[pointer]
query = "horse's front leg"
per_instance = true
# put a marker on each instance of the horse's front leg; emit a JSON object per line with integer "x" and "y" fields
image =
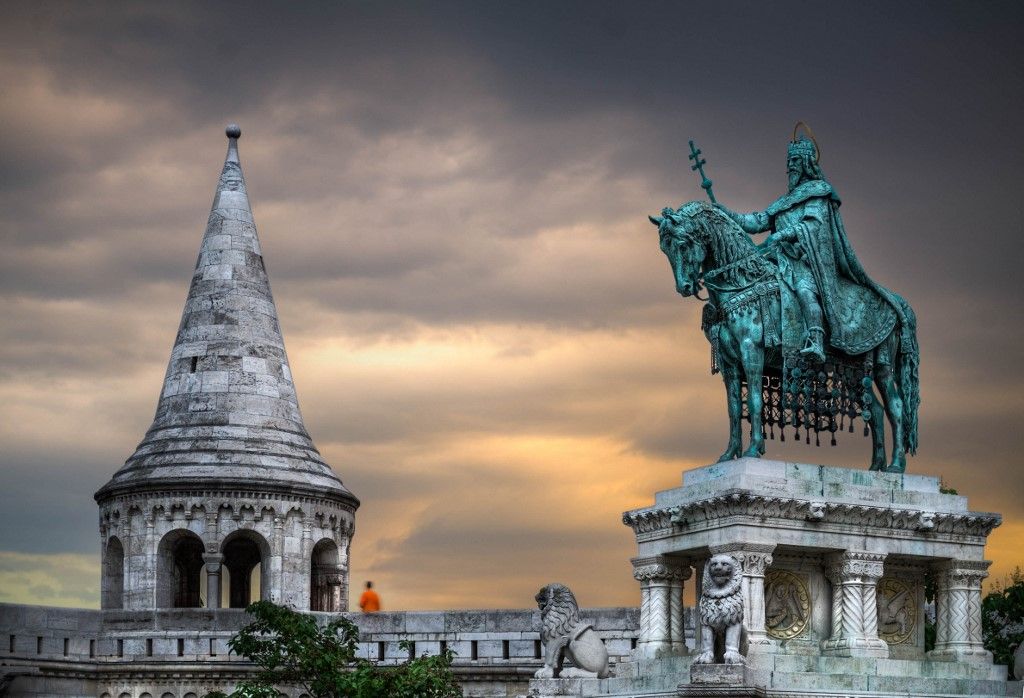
{"x": 753, "y": 366}
{"x": 734, "y": 397}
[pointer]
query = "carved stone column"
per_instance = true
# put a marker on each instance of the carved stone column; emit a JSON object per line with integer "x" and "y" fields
{"x": 277, "y": 574}
{"x": 150, "y": 566}
{"x": 698, "y": 576}
{"x": 661, "y": 605}
{"x": 755, "y": 559}
{"x": 343, "y": 553}
{"x": 677, "y": 633}
{"x": 854, "y": 576}
{"x": 213, "y": 565}
{"x": 958, "y": 611}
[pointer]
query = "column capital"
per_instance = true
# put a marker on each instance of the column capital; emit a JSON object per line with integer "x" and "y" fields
{"x": 754, "y": 558}
{"x": 968, "y": 573}
{"x": 213, "y": 562}
{"x": 661, "y": 568}
{"x": 850, "y": 565}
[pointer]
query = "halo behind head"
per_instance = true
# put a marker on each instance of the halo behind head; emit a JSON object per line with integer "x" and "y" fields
{"x": 795, "y": 144}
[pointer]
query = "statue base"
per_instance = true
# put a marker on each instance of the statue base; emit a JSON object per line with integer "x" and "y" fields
{"x": 834, "y": 563}
{"x": 716, "y": 674}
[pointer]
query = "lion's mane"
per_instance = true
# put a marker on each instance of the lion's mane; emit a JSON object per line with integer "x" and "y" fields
{"x": 559, "y": 612}
{"x": 721, "y": 606}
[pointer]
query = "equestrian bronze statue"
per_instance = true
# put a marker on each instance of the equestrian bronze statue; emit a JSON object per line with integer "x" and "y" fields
{"x": 795, "y": 324}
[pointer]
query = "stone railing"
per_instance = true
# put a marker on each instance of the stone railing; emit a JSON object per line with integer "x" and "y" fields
{"x": 497, "y": 651}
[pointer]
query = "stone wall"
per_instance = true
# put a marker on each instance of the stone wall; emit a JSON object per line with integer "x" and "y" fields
{"x": 125, "y": 654}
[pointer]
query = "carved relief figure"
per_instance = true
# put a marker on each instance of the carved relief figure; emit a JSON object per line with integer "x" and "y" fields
{"x": 721, "y": 612}
{"x": 787, "y": 604}
{"x": 565, "y": 636}
{"x": 897, "y": 611}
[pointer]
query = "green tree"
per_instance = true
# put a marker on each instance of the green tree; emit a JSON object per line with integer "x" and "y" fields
{"x": 1002, "y": 618}
{"x": 291, "y": 648}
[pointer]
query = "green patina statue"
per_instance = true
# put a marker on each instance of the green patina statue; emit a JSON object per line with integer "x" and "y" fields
{"x": 795, "y": 324}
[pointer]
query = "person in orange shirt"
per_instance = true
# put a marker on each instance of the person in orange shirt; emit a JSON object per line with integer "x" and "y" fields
{"x": 369, "y": 601}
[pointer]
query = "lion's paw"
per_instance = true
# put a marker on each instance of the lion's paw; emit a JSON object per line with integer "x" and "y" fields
{"x": 707, "y": 657}
{"x": 544, "y": 672}
{"x": 732, "y": 657}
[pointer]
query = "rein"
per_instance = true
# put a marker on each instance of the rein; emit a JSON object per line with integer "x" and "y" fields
{"x": 753, "y": 263}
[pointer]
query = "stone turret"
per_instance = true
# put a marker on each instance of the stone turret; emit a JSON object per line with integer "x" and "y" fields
{"x": 227, "y": 500}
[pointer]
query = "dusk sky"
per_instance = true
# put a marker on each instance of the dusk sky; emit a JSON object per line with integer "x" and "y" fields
{"x": 452, "y": 202}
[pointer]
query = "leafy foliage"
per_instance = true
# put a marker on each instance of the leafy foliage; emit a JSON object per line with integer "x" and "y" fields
{"x": 1002, "y": 618}
{"x": 291, "y": 648}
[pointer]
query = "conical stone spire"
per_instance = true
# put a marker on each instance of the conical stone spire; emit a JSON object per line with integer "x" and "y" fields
{"x": 228, "y": 415}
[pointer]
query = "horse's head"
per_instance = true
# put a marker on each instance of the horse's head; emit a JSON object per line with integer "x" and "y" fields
{"x": 684, "y": 242}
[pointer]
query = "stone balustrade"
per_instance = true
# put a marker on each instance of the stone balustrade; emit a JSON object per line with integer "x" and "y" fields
{"x": 91, "y": 652}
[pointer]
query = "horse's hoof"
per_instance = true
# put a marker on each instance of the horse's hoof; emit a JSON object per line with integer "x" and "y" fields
{"x": 895, "y": 467}
{"x": 753, "y": 452}
{"x": 731, "y": 453}
{"x": 879, "y": 467}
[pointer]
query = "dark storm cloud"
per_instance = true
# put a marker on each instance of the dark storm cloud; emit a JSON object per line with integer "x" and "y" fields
{"x": 452, "y": 201}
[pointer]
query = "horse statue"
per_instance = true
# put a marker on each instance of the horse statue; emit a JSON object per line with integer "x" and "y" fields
{"x": 745, "y": 320}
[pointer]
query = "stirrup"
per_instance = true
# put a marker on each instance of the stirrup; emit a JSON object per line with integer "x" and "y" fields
{"x": 815, "y": 343}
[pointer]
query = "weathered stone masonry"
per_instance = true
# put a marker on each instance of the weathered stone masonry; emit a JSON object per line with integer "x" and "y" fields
{"x": 227, "y": 500}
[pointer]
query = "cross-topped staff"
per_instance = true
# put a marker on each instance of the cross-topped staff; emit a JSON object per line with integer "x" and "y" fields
{"x": 698, "y": 166}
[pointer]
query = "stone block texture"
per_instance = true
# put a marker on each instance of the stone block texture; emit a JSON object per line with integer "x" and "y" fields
{"x": 226, "y": 500}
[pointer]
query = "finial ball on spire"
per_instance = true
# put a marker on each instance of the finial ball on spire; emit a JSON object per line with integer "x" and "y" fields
{"x": 233, "y": 131}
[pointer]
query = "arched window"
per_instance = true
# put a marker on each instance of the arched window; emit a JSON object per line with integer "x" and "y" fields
{"x": 325, "y": 578}
{"x": 113, "y": 575}
{"x": 245, "y": 555}
{"x": 179, "y": 570}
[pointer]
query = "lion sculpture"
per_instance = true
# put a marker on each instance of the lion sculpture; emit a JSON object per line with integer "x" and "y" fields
{"x": 565, "y": 636}
{"x": 721, "y": 612}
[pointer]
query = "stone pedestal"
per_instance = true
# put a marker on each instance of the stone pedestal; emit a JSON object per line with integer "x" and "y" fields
{"x": 720, "y": 680}
{"x": 834, "y": 562}
{"x": 717, "y": 674}
{"x": 556, "y": 688}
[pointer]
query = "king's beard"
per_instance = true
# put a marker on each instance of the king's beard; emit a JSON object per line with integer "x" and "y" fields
{"x": 794, "y": 179}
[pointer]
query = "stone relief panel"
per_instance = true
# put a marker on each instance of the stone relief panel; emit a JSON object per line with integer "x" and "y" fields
{"x": 897, "y": 611}
{"x": 787, "y": 604}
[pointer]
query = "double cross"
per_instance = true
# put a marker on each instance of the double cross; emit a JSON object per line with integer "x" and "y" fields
{"x": 698, "y": 167}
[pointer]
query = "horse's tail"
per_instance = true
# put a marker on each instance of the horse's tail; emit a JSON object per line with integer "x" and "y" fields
{"x": 907, "y": 363}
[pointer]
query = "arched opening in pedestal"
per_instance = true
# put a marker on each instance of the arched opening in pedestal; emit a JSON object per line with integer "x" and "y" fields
{"x": 113, "y": 575}
{"x": 179, "y": 570}
{"x": 325, "y": 579}
{"x": 245, "y": 565}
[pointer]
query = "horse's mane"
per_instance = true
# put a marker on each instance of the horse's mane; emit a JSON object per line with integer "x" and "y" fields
{"x": 725, "y": 240}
